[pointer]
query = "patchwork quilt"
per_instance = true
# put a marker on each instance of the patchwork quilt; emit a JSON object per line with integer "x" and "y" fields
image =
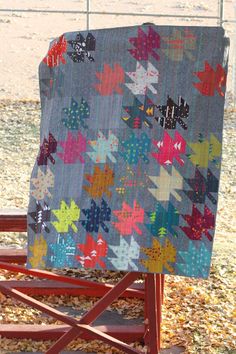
{"x": 127, "y": 172}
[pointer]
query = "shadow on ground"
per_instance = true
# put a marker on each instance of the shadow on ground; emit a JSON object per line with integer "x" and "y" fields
{"x": 108, "y": 318}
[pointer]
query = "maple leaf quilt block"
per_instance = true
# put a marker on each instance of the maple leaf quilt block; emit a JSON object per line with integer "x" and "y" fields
{"x": 100, "y": 182}
{"x": 139, "y": 114}
{"x": 38, "y": 251}
{"x": 135, "y": 148}
{"x": 204, "y": 151}
{"x": 82, "y": 48}
{"x": 159, "y": 257}
{"x": 93, "y": 252}
{"x": 42, "y": 183}
{"x": 111, "y": 80}
{"x": 128, "y": 218}
{"x": 76, "y": 115}
{"x": 211, "y": 80}
{"x": 181, "y": 43}
{"x": 167, "y": 184}
{"x": 128, "y": 169}
{"x": 67, "y": 216}
{"x": 48, "y": 147}
{"x": 52, "y": 85}
{"x": 97, "y": 216}
{"x": 143, "y": 79}
{"x": 169, "y": 149}
{"x": 39, "y": 218}
{"x": 104, "y": 148}
{"x": 130, "y": 180}
{"x": 196, "y": 261}
{"x": 73, "y": 149}
{"x": 202, "y": 187}
{"x": 126, "y": 254}
{"x": 145, "y": 44}
{"x": 63, "y": 251}
{"x": 173, "y": 113}
{"x": 199, "y": 224}
{"x": 56, "y": 54}
{"x": 163, "y": 221}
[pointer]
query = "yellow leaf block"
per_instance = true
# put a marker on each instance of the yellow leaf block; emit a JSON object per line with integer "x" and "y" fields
{"x": 159, "y": 256}
{"x": 38, "y": 250}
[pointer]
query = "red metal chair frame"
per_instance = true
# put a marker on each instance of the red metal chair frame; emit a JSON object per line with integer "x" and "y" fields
{"x": 117, "y": 336}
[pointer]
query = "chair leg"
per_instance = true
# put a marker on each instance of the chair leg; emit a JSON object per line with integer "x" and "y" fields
{"x": 159, "y": 306}
{"x": 153, "y": 314}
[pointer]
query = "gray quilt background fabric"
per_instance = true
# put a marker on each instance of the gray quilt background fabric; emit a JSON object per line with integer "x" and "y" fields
{"x": 128, "y": 168}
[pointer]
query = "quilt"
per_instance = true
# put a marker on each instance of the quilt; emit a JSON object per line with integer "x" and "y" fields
{"x": 128, "y": 166}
